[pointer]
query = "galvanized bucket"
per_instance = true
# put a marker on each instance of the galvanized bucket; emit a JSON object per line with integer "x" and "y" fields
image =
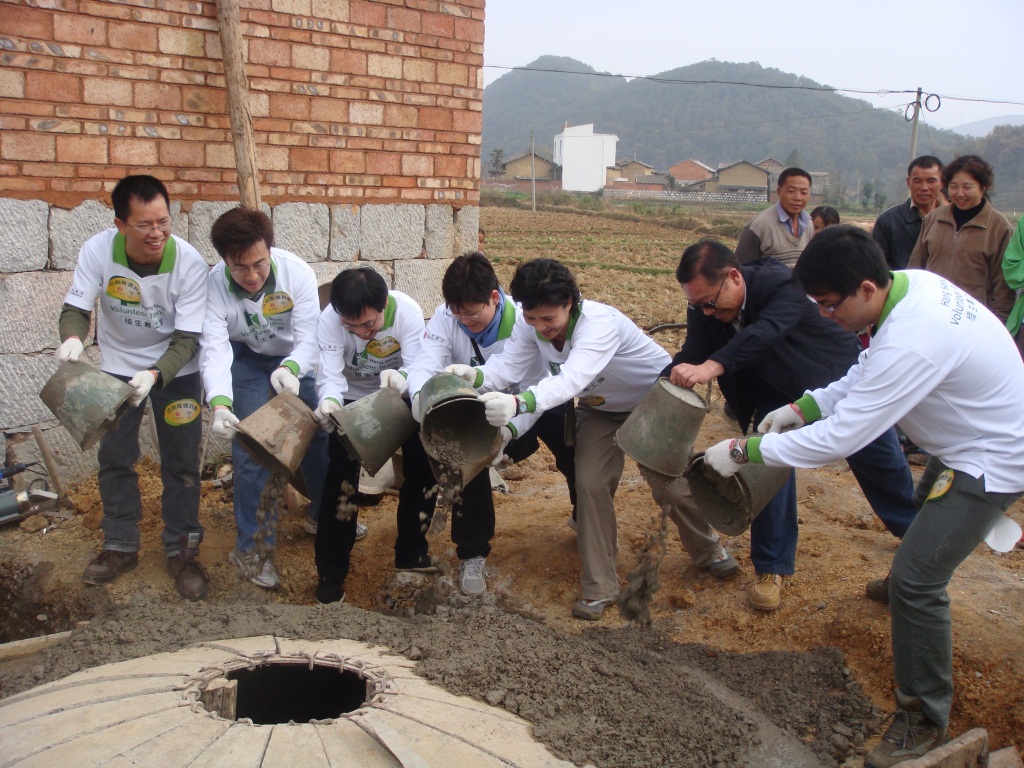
{"x": 85, "y": 400}
{"x": 455, "y": 432}
{"x": 278, "y": 435}
{"x": 660, "y": 431}
{"x": 730, "y": 504}
{"x": 372, "y": 428}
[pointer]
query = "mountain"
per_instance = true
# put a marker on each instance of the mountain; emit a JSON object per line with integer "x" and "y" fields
{"x": 981, "y": 128}
{"x": 715, "y": 112}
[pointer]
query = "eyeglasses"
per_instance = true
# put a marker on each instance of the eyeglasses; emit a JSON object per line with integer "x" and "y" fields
{"x": 464, "y": 316}
{"x": 714, "y": 302}
{"x": 244, "y": 269}
{"x": 831, "y": 308}
{"x": 361, "y": 326}
{"x": 164, "y": 225}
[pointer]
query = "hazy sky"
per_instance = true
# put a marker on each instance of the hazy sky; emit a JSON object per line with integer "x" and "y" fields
{"x": 944, "y": 47}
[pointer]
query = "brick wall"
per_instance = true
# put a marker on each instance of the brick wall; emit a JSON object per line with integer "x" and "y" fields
{"x": 357, "y": 101}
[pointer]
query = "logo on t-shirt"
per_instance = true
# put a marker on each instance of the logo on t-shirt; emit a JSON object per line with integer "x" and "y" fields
{"x": 277, "y": 304}
{"x": 382, "y": 348}
{"x": 181, "y": 412}
{"x": 125, "y": 290}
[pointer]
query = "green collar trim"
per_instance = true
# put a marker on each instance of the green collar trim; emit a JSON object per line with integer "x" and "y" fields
{"x": 508, "y": 319}
{"x": 897, "y": 291}
{"x": 389, "y": 313}
{"x": 170, "y": 254}
{"x": 574, "y": 315}
{"x": 269, "y": 286}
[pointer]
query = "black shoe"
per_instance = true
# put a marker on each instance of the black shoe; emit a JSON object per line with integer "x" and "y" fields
{"x": 189, "y": 576}
{"x": 422, "y": 564}
{"x": 330, "y": 593}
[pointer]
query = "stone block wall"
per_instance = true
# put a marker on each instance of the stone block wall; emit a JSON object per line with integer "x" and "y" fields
{"x": 409, "y": 245}
{"x": 352, "y": 100}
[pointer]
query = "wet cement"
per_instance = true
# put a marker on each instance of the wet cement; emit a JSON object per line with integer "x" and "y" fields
{"x": 611, "y": 697}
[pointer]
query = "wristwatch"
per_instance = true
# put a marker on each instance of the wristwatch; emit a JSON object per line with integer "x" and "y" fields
{"x": 737, "y": 452}
{"x": 521, "y": 405}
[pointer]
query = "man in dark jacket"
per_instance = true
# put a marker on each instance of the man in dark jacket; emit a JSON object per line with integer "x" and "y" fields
{"x": 766, "y": 343}
{"x": 897, "y": 228}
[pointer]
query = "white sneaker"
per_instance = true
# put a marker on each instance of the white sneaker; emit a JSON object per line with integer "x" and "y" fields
{"x": 361, "y": 531}
{"x": 473, "y": 576}
{"x": 309, "y": 525}
{"x": 264, "y": 576}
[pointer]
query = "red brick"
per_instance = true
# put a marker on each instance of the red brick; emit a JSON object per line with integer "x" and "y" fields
{"x": 472, "y": 31}
{"x": 400, "y": 117}
{"x": 16, "y": 145}
{"x": 48, "y": 170}
{"x": 182, "y": 154}
{"x": 105, "y": 9}
{"x": 440, "y": 24}
{"x": 185, "y": 42}
{"x": 290, "y": 107}
{"x": 405, "y": 20}
{"x": 367, "y": 14}
{"x": 21, "y": 184}
{"x": 20, "y": 107}
{"x": 76, "y": 185}
{"x": 133, "y": 152}
{"x": 417, "y": 165}
{"x": 105, "y": 90}
{"x": 467, "y": 121}
{"x": 435, "y": 118}
{"x": 383, "y": 163}
{"x": 453, "y": 74}
{"x": 82, "y": 149}
{"x": 306, "y": 159}
{"x": 157, "y": 96}
{"x": 52, "y": 87}
{"x": 133, "y": 37}
{"x": 269, "y": 52}
{"x": 283, "y": 74}
{"x": 208, "y": 100}
{"x": 28, "y": 22}
{"x": 75, "y": 28}
{"x": 310, "y": 57}
{"x": 450, "y": 166}
{"x": 347, "y": 161}
{"x": 272, "y": 158}
{"x": 330, "y": 110}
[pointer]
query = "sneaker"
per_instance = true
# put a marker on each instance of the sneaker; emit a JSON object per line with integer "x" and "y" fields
{"x": 330, "y": 593}
{"x": 766, "y": 594}
{"x": 361, "y": 531}
{"x": 422, "y": 564}
{"x": 571, "y": 522}
{"x": 473, "y": 576}
{"x": 190, "y": 577}
{"x": 878, "y": 590}
{"x": 108, "y": 565}
{"x": 309, "y": 525}
{"x": 910, "y": 735}
{"x": 723, "y": 566}
{"x": 262, "y": 575}
{"x": 591, "y": 610}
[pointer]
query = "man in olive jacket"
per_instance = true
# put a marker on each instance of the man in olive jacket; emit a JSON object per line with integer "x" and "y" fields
{"x": 767, "y": 344}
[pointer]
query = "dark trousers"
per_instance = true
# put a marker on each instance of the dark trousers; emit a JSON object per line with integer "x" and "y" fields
{"x": 549, "y": 429}
{"x": 179, "y": 427}
{"x": 884, "y": 476}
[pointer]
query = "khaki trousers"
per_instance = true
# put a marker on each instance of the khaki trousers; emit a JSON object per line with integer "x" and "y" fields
{"x": 599, "y": 464}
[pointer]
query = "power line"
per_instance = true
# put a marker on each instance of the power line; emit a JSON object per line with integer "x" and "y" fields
{"x": 818, "y": 88}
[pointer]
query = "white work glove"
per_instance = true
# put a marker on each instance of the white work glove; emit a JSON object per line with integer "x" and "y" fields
{"x": 499, "y": 408}
{"x": 225, "y": 423}
{"x": 782, "y": 420}
{"x": 283, "y": 380}
{"x": 416, "y": 415}
{"x": 468, "y": 372}
{"x": 395, "y": 380}
{"x": 506, "y": 438}
{"x": 71, "y": 349}
{"x": 143, "y": 381}
{"x": 323, "y": 413}
{"x": 717, "y": 457}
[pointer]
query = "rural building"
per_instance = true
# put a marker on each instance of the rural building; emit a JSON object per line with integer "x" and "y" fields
{"x": 743, "y": 177}
{"x": 627, "y": 170}
{"x": 366, "y": 118}
{"x": 526, "y": 165}
{"x": 689, "y": 171}
{"x": 771, "y": 165}
{"x": 584, "y": 157}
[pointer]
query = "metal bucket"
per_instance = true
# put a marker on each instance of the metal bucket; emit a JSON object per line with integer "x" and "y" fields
{"x": 455, "y": 432}
{"x": 278, "y": 434}
{"x": 85, "y": 400}
{"x": 372, "y": 428}
{"x": 660, "y": 431}
{"x": 730, "y": 504}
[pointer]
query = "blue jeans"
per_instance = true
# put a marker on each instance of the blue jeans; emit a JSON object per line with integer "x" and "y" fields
{"x": 884, "y": 476}
{"x": 179, "y": 469}
{"x": 250, "y": 379}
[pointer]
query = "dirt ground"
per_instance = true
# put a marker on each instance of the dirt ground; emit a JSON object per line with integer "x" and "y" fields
{"x": 611, "y": 693}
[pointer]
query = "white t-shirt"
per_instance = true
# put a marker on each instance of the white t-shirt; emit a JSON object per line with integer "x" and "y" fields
{"x": 139, "y": 314}
{"x": 445, "y": 342}
{"x": 350, "y": 367}
{"x": 281, "y": 323}
{"x": 607, "y": 361}
{"x": 943, "y": 367}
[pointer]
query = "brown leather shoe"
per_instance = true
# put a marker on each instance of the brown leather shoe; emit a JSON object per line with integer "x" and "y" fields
{"x": 766, "y": 594}
{"x": 190, "y": 577}
{"x": 108, "y": 565}
{"x": 878, "y": 590}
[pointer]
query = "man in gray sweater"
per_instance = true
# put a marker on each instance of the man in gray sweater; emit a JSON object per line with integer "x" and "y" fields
{"x": 784, "y": 230}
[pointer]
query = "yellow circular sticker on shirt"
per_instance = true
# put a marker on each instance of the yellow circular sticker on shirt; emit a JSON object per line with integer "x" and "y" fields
{"x": 181, "y": 412}
{"x": 941, "y": 485}
{"x": 593, "y": 401}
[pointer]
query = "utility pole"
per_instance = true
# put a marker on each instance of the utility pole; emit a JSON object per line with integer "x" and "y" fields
{"x": 913, "y": 132}
{"x": 533, "y": 173}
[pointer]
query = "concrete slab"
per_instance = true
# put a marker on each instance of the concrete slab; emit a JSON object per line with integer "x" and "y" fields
{"x": 70, "y": 229}
{"x": 417, "y": 744}
{"x": 345, "y": 233}
{"x": 241, "y": 746}
{"x": 439, "y": 237}
{"x": 1008, "y": 757}
{"x": 178, "y": 746}
{"x": 391, "y": 232}
{"x": 421, "y": 279}
{"x": 292, "y": 745}
{"x": 304, "y": 229}
{"x": 965, "y": 751}
{"x": 24, "y": 239}
{"x": 345, "y": 743}
{"x": 40, "y": 703}
{"x": 31, "y": 302}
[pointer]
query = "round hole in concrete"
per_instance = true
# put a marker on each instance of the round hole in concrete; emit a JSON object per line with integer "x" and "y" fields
{"x": 280, "y": 693}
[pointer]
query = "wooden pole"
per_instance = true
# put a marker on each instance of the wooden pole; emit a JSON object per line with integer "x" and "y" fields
{"x": 49, "y": 462}
{"x": 231, "y": 44}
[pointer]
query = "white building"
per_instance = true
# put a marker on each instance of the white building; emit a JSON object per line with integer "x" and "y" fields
{"x": 584, "y": 156}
